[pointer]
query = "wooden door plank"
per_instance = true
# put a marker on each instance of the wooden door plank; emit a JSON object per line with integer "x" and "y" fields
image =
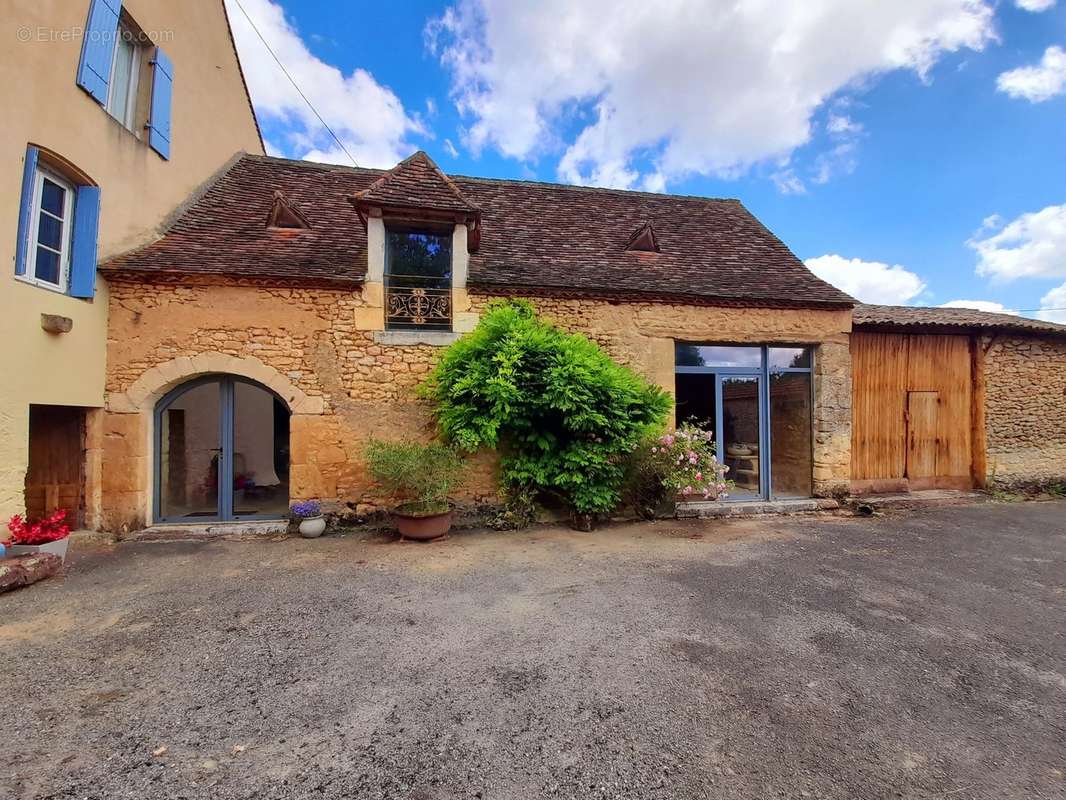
{"x": 922, "y": 424}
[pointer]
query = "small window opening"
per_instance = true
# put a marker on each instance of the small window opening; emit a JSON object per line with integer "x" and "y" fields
{"x": 644, "y": 240}
{"x": 284, "y": 215}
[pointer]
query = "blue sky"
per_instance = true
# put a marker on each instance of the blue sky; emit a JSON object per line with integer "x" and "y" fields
{"x": 912, "y": 151}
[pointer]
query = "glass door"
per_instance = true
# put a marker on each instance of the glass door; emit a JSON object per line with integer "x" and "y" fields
{"x": 222, "y": 453}
{"x": 189, "y": 447}
{"x": 740, "y": 435}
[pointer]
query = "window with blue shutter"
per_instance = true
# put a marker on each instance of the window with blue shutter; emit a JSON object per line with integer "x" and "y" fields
{"x": 159, "y": 118}
{"x": 98, "y": 47}
{"x": 83, "y": 247}
{"x": 59, "y": 220}
{"x": 29, "y": 182}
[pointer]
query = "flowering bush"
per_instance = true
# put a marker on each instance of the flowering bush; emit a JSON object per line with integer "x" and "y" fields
{"x": 307, "y": 508}
{"x": 562, "y": 415}
{"x": 50, "y": 529}
{"x": 688, "y": 463}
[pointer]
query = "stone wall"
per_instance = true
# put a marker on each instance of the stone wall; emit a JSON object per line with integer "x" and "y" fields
{"x": 344, "y": 385}
{"x": 1025, "y": 410}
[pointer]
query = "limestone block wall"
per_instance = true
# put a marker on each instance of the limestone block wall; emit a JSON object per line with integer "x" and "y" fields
{"x": 1025, "y": 410}
{"x": 343, "y": 386}
{"x": 642, "y": 335}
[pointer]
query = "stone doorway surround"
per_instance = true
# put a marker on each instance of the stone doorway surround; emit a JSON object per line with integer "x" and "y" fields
{"x": 126, "y": 436}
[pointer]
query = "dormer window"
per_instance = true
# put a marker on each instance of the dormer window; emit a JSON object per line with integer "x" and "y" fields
{"x": 643, "y": 240}
{"x": 418, "y": 278}
{"x": 285, "y": 216}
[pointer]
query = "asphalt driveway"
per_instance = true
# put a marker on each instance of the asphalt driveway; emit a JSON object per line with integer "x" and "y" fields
{"x": 908, "y": 656}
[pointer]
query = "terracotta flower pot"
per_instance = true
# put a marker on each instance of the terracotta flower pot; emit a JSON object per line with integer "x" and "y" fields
{"x": 421, "y": 526}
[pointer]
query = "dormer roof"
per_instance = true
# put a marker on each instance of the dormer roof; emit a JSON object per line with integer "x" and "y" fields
{"x": 415, "y": 183}
{"x": 285, "y": 215}
{"x": 643, "y": 240}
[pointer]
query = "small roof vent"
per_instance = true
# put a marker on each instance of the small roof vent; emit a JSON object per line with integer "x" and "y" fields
{"x": 285, "y": 216}
{"x": 644, "y": 240}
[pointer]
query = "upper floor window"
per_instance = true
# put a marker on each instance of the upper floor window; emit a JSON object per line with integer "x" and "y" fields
{"x": 58, "y": 219}
{"x": 112, "y": 60}
{"x": 125, "y": 73}
{"x": 418, "y": 279}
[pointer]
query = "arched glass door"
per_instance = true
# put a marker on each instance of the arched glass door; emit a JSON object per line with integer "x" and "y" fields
{"x": 221, "y": 452}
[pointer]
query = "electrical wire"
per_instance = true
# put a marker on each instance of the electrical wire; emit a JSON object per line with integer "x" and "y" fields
{"x": 294, "y": 85}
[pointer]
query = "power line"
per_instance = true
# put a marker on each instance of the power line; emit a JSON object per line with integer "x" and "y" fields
{"x": 293, "y": 82}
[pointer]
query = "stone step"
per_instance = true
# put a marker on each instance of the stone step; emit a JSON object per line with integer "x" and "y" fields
{"x": 710, "y": 508}
{"x": 208, "y": 530}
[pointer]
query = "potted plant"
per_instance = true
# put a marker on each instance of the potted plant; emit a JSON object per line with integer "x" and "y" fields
{"x": 679, "y": 464}
{"x": 309, "y": 513}
{"x": 420, "y": 476}
{"x": 49, "y": 535}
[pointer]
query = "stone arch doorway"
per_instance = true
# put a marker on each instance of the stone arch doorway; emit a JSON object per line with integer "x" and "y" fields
{"x": 221, "y": 452}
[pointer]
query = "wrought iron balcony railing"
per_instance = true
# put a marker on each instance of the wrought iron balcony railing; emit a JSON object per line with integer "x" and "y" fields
{"x": 416, "y": 302}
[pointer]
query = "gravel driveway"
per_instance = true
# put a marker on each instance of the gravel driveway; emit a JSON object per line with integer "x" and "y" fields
{"x": 919, "y": 655}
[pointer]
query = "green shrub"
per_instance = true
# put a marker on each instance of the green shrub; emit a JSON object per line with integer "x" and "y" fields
{"x": 562, "y": 413}
{"x": 421, "y": 476}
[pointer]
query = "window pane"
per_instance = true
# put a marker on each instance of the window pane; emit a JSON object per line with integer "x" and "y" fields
{"x": 120, "y": 87}
{"x": 427, "y": 255}
{"x": 790, "y": 434}
{"x": 692, "y": 355}
{"x": 695, "y": 399}
{"x": 46, "y": 267}
{"x": 189, "y": 455}
{"x": 52, "y": 197}
{"x": 260, "y": 453}
{"x": 785, "y": 357}
{"x": 740, "y": 433}
{"x": 50, "y": 232}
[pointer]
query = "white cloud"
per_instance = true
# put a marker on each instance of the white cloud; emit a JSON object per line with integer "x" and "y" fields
{"x": 1031, "y": 246}
{"x": 1037, "y": 83}
{"x": 367, "y": 117}
{"x": 450, "y": 149}
{"x": 1036, "y": 6}
{"x": 788, "y": 182}
{"x": 980, "y": 305}
{"x": 624, "y": 88}
{"x": 1053, "y": 305}
{"x": 868, "y": 281}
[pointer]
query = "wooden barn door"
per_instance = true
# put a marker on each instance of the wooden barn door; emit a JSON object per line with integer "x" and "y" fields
{"x": 912, "y": 412}
{"x": 923, "y": 416}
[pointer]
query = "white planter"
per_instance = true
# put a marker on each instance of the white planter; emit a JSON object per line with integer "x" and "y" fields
{"x": 58, "y": 548}
{"x": 312, "y": 527}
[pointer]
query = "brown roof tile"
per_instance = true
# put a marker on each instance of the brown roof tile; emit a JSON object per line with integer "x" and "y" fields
{"x": 948, "y": 320}
{"x": 534, "y": 235}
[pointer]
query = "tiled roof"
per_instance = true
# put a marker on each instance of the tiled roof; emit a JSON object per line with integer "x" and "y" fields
{"x": 533, "y": 235}
{"x": 948, "y": 320}
{"x": 415, "y": 182}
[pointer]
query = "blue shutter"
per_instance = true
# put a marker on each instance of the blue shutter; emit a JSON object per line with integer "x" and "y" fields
{"x": 159, "y": 119}
{"x": 98, "y": 48}
{"x": 29, "y": 178}
{"x": 83, "y": 249}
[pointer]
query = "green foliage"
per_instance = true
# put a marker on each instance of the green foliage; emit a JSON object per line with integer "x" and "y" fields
{"x": 420, "y": 475}
{"x": 562, "y": 413}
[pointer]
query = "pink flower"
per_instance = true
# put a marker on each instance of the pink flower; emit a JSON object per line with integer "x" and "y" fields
{"x": 699, "y": 476}
{"x": 655, "y": 449}
{"x": 687, "y": 490}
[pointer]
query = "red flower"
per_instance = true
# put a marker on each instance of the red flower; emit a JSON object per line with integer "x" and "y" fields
{"x": 43, "y": 531}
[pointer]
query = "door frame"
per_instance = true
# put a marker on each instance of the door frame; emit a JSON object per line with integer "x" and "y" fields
{"x": 226, "y": 430}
